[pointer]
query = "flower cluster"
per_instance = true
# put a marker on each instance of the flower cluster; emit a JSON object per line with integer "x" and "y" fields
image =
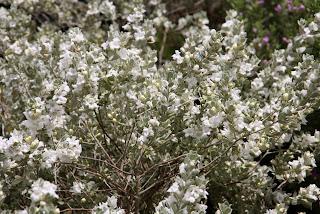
{"x": 187, "y": 190}
{"x": 40, "y": 189}
{"x": 109, "y": 207}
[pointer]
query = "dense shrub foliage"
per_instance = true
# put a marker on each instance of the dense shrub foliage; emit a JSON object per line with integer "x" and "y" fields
{"x": 95, "y": 119}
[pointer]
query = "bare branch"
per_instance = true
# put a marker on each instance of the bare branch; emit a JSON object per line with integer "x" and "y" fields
{"x": 164, "y": 39}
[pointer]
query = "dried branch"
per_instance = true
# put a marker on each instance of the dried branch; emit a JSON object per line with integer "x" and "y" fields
{"x": 164, "y": 39}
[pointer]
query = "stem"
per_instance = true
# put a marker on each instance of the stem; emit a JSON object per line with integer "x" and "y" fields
{"x": 164, "y": 39}
{"x": 138, "y": 197}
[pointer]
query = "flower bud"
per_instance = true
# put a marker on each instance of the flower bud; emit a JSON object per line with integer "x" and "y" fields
{"x": 213, "y": 109}
{"x": 37, "y": 113}
{"x": 14, "y": 165}
{"x": 282, "y": 210}
{"x": 34, "y": 144}
{"x": 28, "y": 139}
{"x": 213, "y": 86}
{"x": 143, "y": 98}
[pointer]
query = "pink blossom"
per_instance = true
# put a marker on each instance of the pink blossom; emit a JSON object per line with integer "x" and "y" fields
{"x": 289, "y": 1}
{"x": 265, "y": 39}
{"x": 260, "y": 2}
{"x": 302, "y": 7}
{"x": 285, "y": 40}
{"x": 278, "y": 8}
{"x": 255, "y": 29}
{"x": 289, "y": 7}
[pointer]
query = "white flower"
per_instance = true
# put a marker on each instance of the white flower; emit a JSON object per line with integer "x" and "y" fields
{"x": 177, "y": 57}
{"x": 49, "y": 157}
{"x": 21, "y": 212}
{"x": 193, "y": 193}
{"x": 189, "y": 132}
{"x": 192, "y": 81}
{"x": 213, "y": 122}
{"x": 91, "y": 103}
{"x": 239, "y": 124}
{"x": 69, "y": 149}
{"x": 76, "y": 35}
{"x": 77, "y": 187}
{"x": 60, "y": 93}
{"x": 301, "y": 49}
{"x": 123, "y": 53}
{"x": 280, "y": 197}
{"x": 115, "y": 44}
{"x": 317, "y": 16}
{"x": 154, "y": 122}
{"x": 108, "y": 207}
{"x": 16, "y": 48}
{"x": 272, "y": 211}
{"x": 174, "y": 188}
{"x": 41, "y": 188}
{"x": 256, "y": 151}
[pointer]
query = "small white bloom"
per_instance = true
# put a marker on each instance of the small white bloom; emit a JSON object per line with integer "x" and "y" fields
{"x": 76, "y": 35}
{"x": 115, "y": 44}
{"x": 77, "y": 187}
{"x": 154, "y": 122}
{"x": 41, "y": 188}
{"x": 177, "y": 57}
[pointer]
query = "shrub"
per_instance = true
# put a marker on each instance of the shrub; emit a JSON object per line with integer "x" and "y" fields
{"x": 92, "y": 122}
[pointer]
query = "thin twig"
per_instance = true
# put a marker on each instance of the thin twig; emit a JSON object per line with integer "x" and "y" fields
{"x": 104, "y": 161}
{"x": 183, "y": 8}
{"x": 165, "y": 177}
{"x": 164, "y": 39}
{"x": 280, "y": 185}
{"x": 102, "y": 127}
{"x": 76, "y": 209}
{"x": 97, "y": 173}
{"x": 105, "y": 152}
{"x": 69, "y": 193}
{"x": 83, "y": 190}
{"x": 162, "y": 163}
